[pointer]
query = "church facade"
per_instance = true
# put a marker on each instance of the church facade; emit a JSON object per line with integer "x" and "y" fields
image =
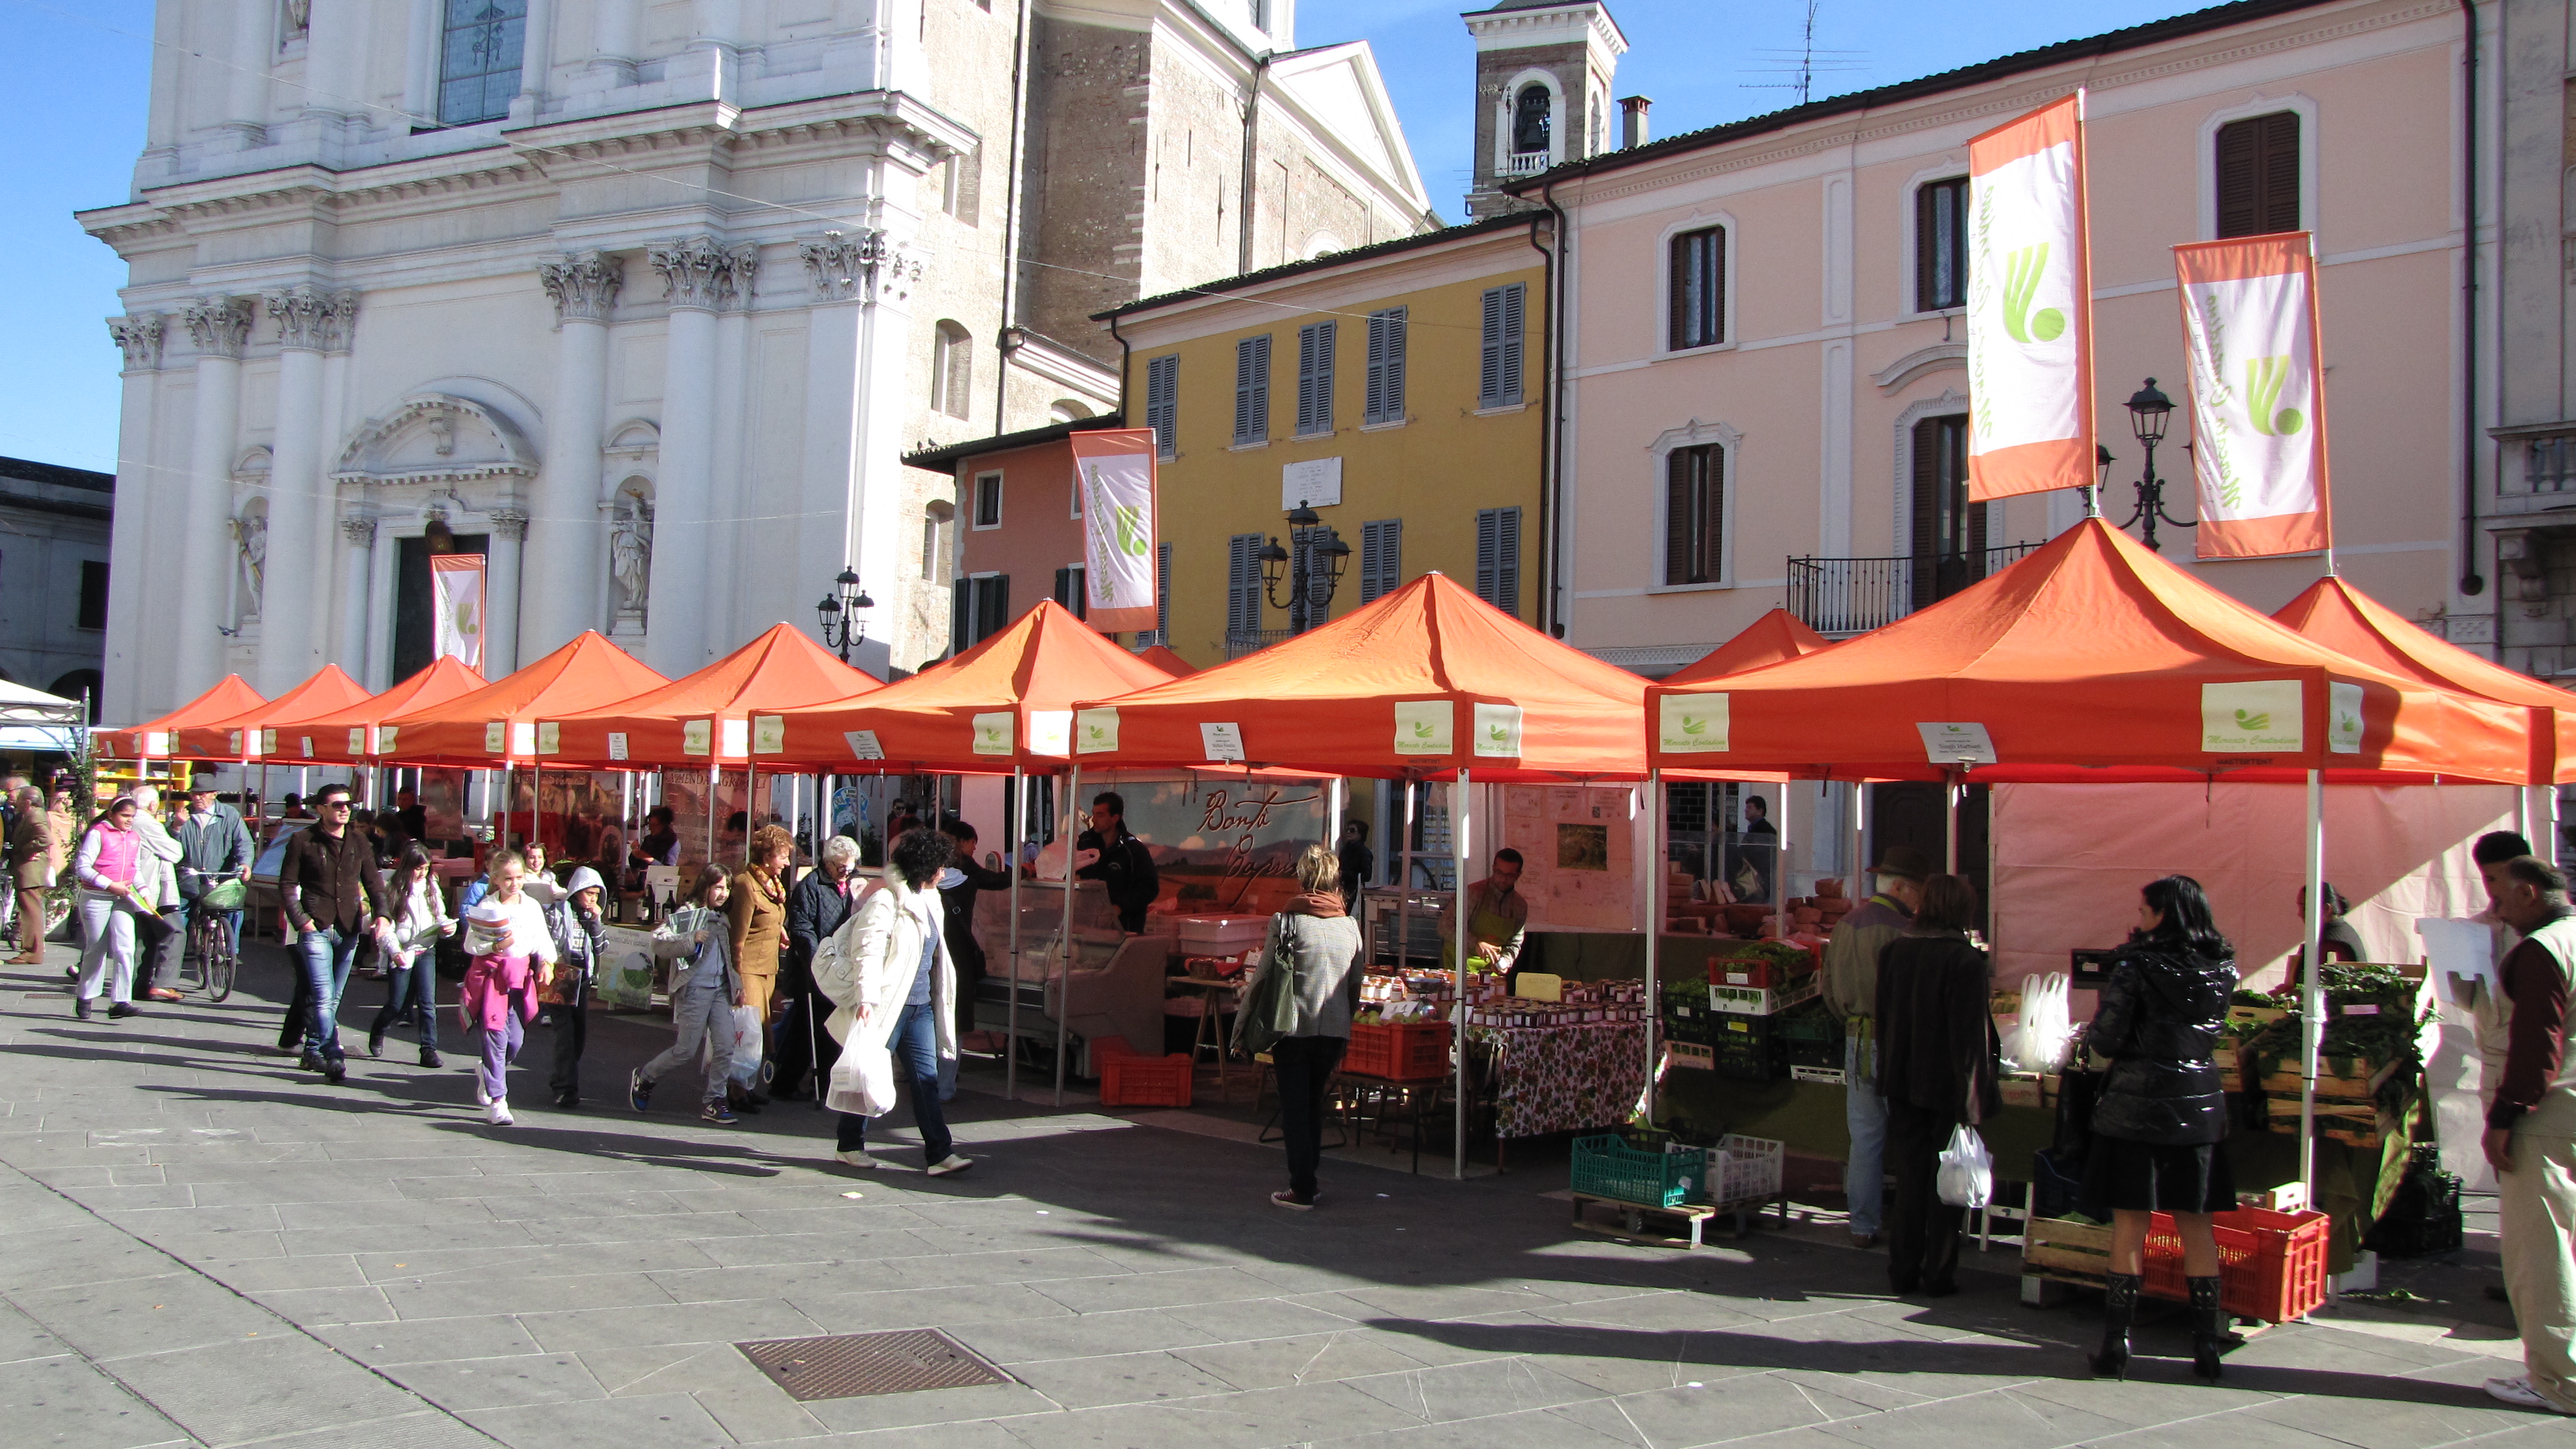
{"x": 644, "y": 303}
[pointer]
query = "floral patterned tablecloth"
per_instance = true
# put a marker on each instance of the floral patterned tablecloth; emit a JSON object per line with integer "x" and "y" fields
{"x": 1564, "y": 1078}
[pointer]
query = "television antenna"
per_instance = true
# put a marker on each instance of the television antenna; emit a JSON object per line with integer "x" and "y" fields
{"x": 1801, "y": 66}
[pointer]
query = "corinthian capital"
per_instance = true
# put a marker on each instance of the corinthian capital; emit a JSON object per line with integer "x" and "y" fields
{"x": 219, "y": 325}
{"x": 339, "y": 320}
{"x": 584, "y": 285}
{"x": 360, "y": 532}
{"x": 898, "y": 270}
{"x": 302, "y": 316}
{"x": 139, "y": 334}
{"x": 510, "y": 523}
{"x": 837, "y": 263}
{"x": 742, "y": 265}
{"x": 695, "y": 272}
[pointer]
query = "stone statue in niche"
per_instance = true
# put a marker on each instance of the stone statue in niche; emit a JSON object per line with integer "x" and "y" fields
{"x": 251, "y": 532}
{"x": 630, "y": 555}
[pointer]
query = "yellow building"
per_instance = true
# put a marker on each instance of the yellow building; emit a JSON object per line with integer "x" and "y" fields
{"x": 1394, "y": 390}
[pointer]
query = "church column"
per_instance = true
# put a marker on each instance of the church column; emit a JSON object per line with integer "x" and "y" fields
{"x": 565, "y": 530}
{"x": 384, "y": 559}
{"x": 835, "y": 269}
{"x": 339, "y": 331}
{"x": 537, "y": 61}
{"x": 297, "y": 504}
{"x": 886, "y": 399}
{"x": 730, "y": 499}
{"x": 357, "y": 542}
{"x": 220, "y": 326}
{"x": 855, "y": 406}
{"x": 140, "y": 336}
{"x": 612, "y": 41}
{"x": 254, "y": 50}
{"x": 501, "y": 592}
{"x": 692, "y": 270}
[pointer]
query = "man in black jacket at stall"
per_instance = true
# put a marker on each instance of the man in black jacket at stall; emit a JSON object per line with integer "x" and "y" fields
{"x": 957, "y": 925}
{"x": 816, "y": 907}
{"x": 1119, "y": 859}
{"x": 333, "y": 892}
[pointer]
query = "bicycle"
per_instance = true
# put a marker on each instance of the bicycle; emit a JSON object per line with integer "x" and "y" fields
{"x": 210, "y": 938}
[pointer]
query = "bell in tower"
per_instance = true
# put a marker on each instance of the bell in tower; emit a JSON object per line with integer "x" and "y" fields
{"x": 1543, "y": 77}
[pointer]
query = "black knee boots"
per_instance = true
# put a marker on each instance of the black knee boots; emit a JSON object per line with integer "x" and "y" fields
{"x": 2119, "y": 1310}
{"x": 2209, "y": 1332}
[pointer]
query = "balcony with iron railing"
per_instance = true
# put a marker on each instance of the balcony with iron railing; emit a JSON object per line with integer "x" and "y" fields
{"x": 1526, "y": 163}
{"x": 1239, "y": 642}
{"x": 1839, "y": 597}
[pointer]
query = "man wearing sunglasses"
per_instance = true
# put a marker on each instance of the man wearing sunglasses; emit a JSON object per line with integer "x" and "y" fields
{"x": 334, "y": 895}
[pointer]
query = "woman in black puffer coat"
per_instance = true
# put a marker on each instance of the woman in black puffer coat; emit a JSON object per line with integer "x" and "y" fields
{"x": 2162, "y": 1110}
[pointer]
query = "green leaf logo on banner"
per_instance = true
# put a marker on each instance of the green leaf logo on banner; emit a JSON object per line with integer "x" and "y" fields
{"x": 1498, "y": 734}
{"x": 2264, "y": 379}
{"x": 1694, "y": 724}
{"x": 1131, "y": 530}
{"x": 2022, "y": 271}
{"x": 2256, "y": 720}
{"x": 1422, "y": 729}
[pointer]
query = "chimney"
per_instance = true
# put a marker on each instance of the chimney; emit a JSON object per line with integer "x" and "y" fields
{"x": 1632, "y": 121}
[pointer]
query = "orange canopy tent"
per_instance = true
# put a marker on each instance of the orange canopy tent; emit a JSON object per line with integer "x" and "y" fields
{"x": 1424, "y": 683}
{"x": 1775, "y": 636}
{"x": 1004, "y": 705}
{"x": 1162, "y": 657}
{"x": 2348, "y": 621}
{"x": 154, "y": 738}
{"x": 348, "y": 735}
{"x": 252, "y": 734}
{"x": 497, "y": 724}
{"x": 2092, "y": 659}
{"x": 717, "y": 713}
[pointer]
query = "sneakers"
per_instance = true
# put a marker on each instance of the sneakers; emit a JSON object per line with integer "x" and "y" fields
{"x": 1291, "y": 1201}
{"x": 952, "y": 1163}
{"x": 2519, "y": 1393}
{"x": 429, "y": 1058}
{"x": 718, "y": 1113}
{"x": 481, "y": 1098}
{"x": 497, "y": 1112}
{"x": 311, "y": 1061}
{"x": 639, "y": 1092}
{"x": 852, "y": 1158}
{"x": 336, "y": 1073}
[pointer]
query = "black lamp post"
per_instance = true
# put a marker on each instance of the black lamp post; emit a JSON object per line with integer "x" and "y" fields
{"x": 2148, "y": 409}
{"x": 1316, "y": 571}
{"x": 839, "y": 612}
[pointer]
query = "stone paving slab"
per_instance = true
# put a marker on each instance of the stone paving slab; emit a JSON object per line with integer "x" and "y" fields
{"x": 200, "y": 1245}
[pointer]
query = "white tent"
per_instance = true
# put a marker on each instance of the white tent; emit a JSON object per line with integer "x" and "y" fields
{"x": 31, "y": 719}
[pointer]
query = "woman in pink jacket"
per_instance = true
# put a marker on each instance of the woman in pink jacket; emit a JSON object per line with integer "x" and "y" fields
{"x": 512, "y": 955}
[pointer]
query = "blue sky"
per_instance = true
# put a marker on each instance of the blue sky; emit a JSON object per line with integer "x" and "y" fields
{"x": 80, "y": 119}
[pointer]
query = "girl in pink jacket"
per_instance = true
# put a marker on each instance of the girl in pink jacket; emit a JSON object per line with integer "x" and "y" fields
{"x": 511, "y": 954}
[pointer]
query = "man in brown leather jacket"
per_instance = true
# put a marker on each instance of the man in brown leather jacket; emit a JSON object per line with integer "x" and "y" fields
{"x": 30, "y": 863}
{"x": 334, "y": 893}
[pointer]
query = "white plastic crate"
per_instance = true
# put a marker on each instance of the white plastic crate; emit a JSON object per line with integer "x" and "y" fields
{"x": 1761, "y": 1001}
{"x": 1744, "y": 1169}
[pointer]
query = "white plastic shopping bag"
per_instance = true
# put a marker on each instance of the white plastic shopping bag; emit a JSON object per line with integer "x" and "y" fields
{"x": 863, "y": 1079}
{"x": 2042, "y": 1034}
{"x": 1967, "y": 1170}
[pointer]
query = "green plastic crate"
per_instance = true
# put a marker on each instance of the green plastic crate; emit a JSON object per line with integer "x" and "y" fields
{"x": 1606, "y": 1166}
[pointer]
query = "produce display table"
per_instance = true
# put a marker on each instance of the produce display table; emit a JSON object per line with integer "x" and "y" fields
{"x": 1573, "y": 1078}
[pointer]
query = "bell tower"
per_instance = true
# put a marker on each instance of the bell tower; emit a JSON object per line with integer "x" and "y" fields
{"x": 1543, "y": 77}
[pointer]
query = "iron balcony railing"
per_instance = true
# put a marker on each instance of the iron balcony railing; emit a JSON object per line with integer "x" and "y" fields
{"x": 1845, "y": 596}
{"x": 1239, "y": 642}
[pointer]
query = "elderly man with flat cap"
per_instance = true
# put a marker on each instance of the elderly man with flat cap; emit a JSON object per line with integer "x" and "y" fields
{"x": 1851, "y": 990}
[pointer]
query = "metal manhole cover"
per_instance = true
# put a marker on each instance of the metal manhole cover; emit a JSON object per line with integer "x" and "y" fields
{"x": 848, "y": 1365}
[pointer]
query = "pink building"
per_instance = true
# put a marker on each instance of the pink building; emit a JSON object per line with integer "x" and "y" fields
{"x": 1761, "y": 358}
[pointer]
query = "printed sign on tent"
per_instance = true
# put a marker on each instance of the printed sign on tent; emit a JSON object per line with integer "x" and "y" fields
{"x": 2343, "y": 719}
{"x": 1957, "y": 742}
{"x": 863, "y": 745}
{"x": 769, "y": 734}
{"x": 697, "y": 736}
{"x": 1115, "y": 471}
{"x": 2030, "y": 307}
{"x": 1223, "y": 742}
{"x": 1096, "y": 731}
{"x": 1691, "y": 723}
{"x": 994, "y": 732}
{"x": 2255, "y": 717}
{"x": 1498, "y": 731}
{"x": 456, "y": 597}
{"x": 1425, "y": 726}
{"x": 617, "y": 744}
{"x": 2249, "y": 323}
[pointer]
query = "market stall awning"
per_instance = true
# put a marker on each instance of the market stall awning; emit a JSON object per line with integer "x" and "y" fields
{"x": 153, "y": 738}
{"x": 347, "y": 735}
{"x": 498, "y": 722}
{"x": 1006, "y": 703}
{"x": 1424, "y": 682}
{"x": 2348, "y": 621}
{"x": 31, "y": 719}
{"x": 1775, "y": 636}
{"x": 2090, "y": 659}
{"x": 719, "y": 713}
{"x": 252, "y": 734}
{"x": 1162, "y": 657}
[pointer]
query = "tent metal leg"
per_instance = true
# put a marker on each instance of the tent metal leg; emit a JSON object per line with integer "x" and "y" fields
{"x": 1064, "y": 993}
{"x": 1011, "y": 1009}
{"x": 2312, "y": 999}
{"x": 1655, "y": 874}
{"x": 1458, "y": 1027}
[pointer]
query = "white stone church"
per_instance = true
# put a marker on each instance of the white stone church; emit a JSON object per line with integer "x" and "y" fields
{"x": 645, "y": 299}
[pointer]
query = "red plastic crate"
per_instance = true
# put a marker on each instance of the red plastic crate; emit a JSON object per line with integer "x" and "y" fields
{"x": 1399, "y": 1051}
{"x": 2271, "y": 1266}
{"x": 1128, "y": 1080}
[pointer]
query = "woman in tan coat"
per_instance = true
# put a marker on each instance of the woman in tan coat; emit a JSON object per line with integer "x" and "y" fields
{"x": 757, "y": 911}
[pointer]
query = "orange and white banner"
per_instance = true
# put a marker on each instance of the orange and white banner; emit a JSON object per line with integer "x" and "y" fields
{"x": 456, "y": 599}
{"x": 1114, "y": 473}
{"x": 2258, "y": 406}
{"x": 2030, "y": 307}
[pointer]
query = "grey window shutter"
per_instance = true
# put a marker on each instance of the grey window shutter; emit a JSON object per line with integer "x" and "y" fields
{"x": 1315, "y": 379}
{"x": 1162, "y": 398}
{"x": 1252, "y": 389}
{"x": 1515, "y": 308}
{"x": 1386, "y": 366}
{"x": 1678, "y": 515}
{"x": 961, "y": 610}
{"x": 1162, "y": 593}
{"x": 1498, "y": 558}
{"x": 1499, "y": 382}
{"x": 1243, "y": 583}
{"x": 1488, "y": 556}
{"x": 1381, "y": 558}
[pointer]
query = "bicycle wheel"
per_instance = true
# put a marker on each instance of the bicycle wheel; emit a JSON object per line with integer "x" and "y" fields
{"x": 219, "y": 961}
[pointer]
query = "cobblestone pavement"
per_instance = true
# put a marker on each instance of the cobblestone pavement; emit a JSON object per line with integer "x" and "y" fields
{"x": 201, "y": 1245}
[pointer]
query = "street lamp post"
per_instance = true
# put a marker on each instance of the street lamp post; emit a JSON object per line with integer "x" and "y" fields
{"x": 1310, "y": 588}
{"x": 2148, "y": 409}
{"x": 841, "y": 625}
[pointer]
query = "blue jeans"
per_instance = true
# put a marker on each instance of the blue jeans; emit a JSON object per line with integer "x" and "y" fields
{"x": 915, "y": 1047}
{"x": 1865, "y": 1113}
{"x": 411, "y": 995}
{"x": 326, "y": 956}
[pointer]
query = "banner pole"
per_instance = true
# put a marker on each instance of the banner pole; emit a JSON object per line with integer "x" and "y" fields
{"x": 1654, "y": 928}
{"x": 1011, "y": 827}
{"x": 1458, "y": 1016}
{"x": 1064, "y": 991}
{"x": 2312, "y": 998}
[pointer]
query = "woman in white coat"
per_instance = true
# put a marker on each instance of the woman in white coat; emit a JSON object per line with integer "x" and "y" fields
{"x": 888, "y": 973}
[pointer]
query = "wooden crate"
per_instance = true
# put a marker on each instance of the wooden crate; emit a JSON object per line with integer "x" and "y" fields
{"x": 2028, "y": 1090}
{"x": 2070, "y": 1252}
{"x": 2290, "y": 1084}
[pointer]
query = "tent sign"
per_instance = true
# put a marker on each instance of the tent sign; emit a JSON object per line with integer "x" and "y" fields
{"x": 1223, "y": 742}
{"x": 2255, "y": 717}
{"x": 308, "y": 745}
{"x": 864, "y": 746}
{"x": 617, "y": 744}
{"x": 769, "y": 734}
{"x": 549, "y": 738}
{"x": 494, "y": 732}
{"x": 993, "y": 732}
{"x": 2343, "y": 718}
{"x": 1425, "y": 726}
{"x": 1051, "y": 732}
{"x": 268, "y": 742}
{"x": 1096, "y": 731}
{"x": 697, "y": 736}
{"x": 1498, "y": 731}
{"x": 1691, "y": 724}
{"x": 384, "y": 740}
{"x": 233, "y": 742}
{"x": 1955, "y": 742}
